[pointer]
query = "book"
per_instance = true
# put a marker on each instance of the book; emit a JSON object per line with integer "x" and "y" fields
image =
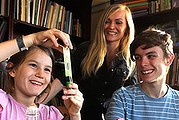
{"x": 22, "y": 9}
{"x": 59, "y": 20}
{"x": 34, "y": 11}
{"x": 137, "y": 4}
{"x": 47, "y": 10}
{"x": 139, "y": 8}
{"x": 42, "y": 11}
{"x": 38, "y": 12}
{"x": 54, "y": 15}
{"x": 174, "y": 3}
{"x": 67, "y": 17}
{"x": 70, "y": 24}
{"x": 27, "y": 10}
{"x": 50, "y": 16}
{"x": 134, "y": 2}
{"x": 62, "y": 25}
{"x": 3, "y": 28}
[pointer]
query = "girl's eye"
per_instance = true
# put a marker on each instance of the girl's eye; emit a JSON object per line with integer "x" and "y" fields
{"x": 33, "y": 65}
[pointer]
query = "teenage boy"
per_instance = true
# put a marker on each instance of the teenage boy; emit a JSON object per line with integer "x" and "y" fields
{"x": 152, "y": 98}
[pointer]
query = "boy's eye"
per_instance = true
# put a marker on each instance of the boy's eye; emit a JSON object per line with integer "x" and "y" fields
{"x": 48, "y": 69}
{"x": 151, "y": 56}
{"x": 136, "y": 57}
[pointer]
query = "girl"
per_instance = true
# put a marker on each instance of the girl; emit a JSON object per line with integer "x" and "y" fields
{"x": 29, "y": 74}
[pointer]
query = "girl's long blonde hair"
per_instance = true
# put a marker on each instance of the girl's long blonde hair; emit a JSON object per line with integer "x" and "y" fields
{"x": 98, "y": 47}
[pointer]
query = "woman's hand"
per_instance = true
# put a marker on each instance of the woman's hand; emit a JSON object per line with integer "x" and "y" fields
{"x": 48, "y": 38}
{"x": 73, "y": 100}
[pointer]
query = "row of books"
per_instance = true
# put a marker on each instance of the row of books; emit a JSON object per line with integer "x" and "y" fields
{"x": 137, "y": 7}
{"x": 3, "y": 28}
{"x": 2, "y": 73}
{"x": 45, "y": 13}
{"x": 172, "y": 28}
{"x": 173, "y": 77}
{"x": 161, "y": 5}
{"x": 144, "y": 7}
{"x": 4, "y": 7}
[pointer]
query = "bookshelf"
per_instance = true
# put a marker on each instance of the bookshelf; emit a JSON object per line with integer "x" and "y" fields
{"x": 158, "y": 17}
{"x": 79, "y": 9}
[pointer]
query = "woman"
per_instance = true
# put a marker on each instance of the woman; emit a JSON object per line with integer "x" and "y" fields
{"x": 103, "y": 65}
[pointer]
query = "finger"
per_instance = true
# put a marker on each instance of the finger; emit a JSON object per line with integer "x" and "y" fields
{"x": 64, "y": 38}
{"x": 73, "y": 86}
{"x": 69, "y": 41}
{"x": 61, "y": 35}
{"x": 76, "y": 100}
{"x": 74, "y": 94}
{"x": 50, "y": 36}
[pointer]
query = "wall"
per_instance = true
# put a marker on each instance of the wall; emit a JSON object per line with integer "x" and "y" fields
{"x": 95, "y": 14}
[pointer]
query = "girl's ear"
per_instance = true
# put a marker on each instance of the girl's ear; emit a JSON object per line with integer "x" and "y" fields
{"x": 12, "y": 73}
{"x": 10, "y": 69}
{"x": 170, "y": 59}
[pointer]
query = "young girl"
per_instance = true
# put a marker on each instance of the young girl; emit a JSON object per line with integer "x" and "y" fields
{"x": 29, "y": 74}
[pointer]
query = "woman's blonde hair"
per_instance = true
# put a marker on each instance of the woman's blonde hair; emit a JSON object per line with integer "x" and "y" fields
{"x": 98, "y": 47}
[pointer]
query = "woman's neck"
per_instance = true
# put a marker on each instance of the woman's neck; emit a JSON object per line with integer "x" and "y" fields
{"x": 112, "y": 50}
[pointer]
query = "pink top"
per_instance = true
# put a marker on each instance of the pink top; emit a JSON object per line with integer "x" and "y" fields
{"x": 10, "y": 109}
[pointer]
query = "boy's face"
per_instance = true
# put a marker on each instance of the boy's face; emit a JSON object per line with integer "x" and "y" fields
{"x": 33, "y": 75}
{"x": 151, "y": 65}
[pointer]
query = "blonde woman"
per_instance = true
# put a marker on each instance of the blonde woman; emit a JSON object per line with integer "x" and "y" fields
{"x": 103, "y": 64}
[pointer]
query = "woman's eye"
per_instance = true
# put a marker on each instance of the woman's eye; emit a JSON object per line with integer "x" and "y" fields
{"x": 118, "y": 22}
{"x": 107, "y": 21}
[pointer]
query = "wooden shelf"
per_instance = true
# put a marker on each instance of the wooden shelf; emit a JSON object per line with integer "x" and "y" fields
{"x": 143, "y": 22}
{"x": 81, "y": 9}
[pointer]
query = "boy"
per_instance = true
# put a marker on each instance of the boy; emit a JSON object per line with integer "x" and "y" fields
{"x": 152, "y": 98}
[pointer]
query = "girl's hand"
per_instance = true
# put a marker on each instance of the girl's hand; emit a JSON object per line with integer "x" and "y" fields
{"x": 73, "y": 99}
{"x": 48, "y": 38}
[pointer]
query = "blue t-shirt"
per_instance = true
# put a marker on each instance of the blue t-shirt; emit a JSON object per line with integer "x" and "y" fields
{"x": 131, "y": 103}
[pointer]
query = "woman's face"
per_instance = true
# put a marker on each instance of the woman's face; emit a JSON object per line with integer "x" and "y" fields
{"x": 33, "y": 75}
{"x": 115, "y": 26}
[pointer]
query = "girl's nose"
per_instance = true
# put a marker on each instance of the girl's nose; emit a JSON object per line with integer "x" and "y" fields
{"x": 39, "y": 74}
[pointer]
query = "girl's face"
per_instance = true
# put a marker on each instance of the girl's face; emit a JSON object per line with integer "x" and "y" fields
{"x": 33, "y": 75}
{"x": 115, "y": 26}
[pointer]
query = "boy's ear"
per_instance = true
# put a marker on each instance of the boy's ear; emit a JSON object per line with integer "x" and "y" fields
{"x": 170, "y": 59}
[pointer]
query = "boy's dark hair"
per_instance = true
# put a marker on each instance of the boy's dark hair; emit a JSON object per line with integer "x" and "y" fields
{"x": 152, "y": 37}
